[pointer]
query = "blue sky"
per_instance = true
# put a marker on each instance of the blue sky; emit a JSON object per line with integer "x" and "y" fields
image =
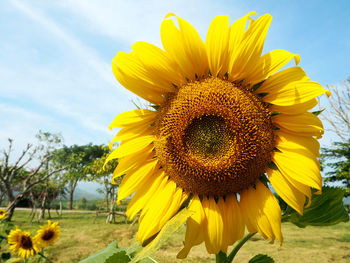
{"x": 55, "y": 56}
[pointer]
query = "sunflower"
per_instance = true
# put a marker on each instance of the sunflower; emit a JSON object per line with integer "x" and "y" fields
{"x": 2, "y": 213}
{"x": 222, "y": 118}
{"x": 48, "y": 234}
{"x": 22, "y": 244}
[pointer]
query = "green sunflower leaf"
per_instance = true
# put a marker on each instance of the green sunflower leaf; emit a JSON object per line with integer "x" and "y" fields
{"x": 120, "y": 257}
{"x": 167, "y": 231}
{"x": 260, "y": 258}
{"x": 103, "y": 255}
{"x": 325, "y": 210}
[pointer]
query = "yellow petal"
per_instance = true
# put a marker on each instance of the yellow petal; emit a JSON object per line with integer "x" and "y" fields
{"x": 269, "y": 64}
{"x": 291, "y": 195}
{"x": 136, "y": 177}
{"x": 194, "y": 227}
{"x": 305, "y": 124}
{"x": 301, "y": 144}
{"x": 235, "y": 223}
{"x": 131, "y": 74}
{"x": 185, "y": 47}
{"x": 295, "y": 109}
{"x": 215, "y": 226}
{"x": 161, "y": 208}
{"x": 289, "y": 87}
{"x": 250, "y": 49}
{"x": 159, "y": 64}
{"x": 237, "y": 31}
{"x": 130, "y": 161}
{"x": 217, "y": 45}
{"x": 133, "y": 117}
{"x": 303, "y": 168}
{"x": 261, "y": 212}
{"x": 134, "y": 131}
{"x": 130, "y": 147}
{"x": 144, "y": 194}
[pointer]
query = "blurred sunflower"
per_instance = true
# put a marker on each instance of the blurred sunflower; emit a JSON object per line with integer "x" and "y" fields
{"x": 222, "y": 118}
{"x": 2, "y": 213}
{"x": 22, "y": 244}
{"x": 48, "y": 234}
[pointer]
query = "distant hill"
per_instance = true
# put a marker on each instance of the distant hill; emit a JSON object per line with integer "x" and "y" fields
{"x": 87, "y": 194}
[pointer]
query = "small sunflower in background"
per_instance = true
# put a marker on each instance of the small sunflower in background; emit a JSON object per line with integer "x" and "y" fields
{"x": 48, "y": 234}
{"x": 223, "y": 119}
{"x": 2, "y": 213}
{"x": 22, "y": 244}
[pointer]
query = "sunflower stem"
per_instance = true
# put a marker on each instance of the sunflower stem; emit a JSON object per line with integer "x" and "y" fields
{"x": 42, "y": 255}
{"x": 233, "y": 253}
{"x": 221, "y": 257}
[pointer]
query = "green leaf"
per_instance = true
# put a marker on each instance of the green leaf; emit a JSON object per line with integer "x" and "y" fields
{"x": 325, "y": 210}
{"x": 169, "y": 228}
{"x": 120, "y": 257}
{"x": 260, "y": 258}
{"x": 103, "y": 255}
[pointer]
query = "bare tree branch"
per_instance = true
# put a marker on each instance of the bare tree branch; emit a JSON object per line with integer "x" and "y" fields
{"x": 338, "y": 112}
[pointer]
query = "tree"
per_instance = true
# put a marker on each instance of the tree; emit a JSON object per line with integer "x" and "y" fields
{"x": 19, "y": 177}
{"x": 76, "y": 158}
{"x": 338, "y": 116}
{"x": 340, "y": 168}
{"x": 103, "y": 175}
{"x": 338, "y": 112}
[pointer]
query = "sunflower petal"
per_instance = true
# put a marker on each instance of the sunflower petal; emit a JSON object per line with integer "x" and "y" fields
{"x": 269, "y": 64}
{"x": 215, "y": 226}
{"x": 144, "y": 194}
{"x": 303, "y": 168}
{"x": 237, "y": 31}
{"x": 158, "y": 64}
{"x": 291, "y": 195}
{"x": 161, "y": 209}
{"x": 194, "y": 227}
{"x": 217, "y": 45}
{"x": 130, "y": 161}
{"x": 136, "y": 177}
{"x": 133, "y": 117}
{"x": 295, "y": 109}
{"x": 130, "y": 147}
{"x": 301, "y": 144}
{"x": 132, "y": 75}
{"x": 184, "y": 46}
{"x": 305, "y": 124}
{"x": 261, "y": 212}
{"x": 250, "y": 49}
{"x": 290, "y": 87}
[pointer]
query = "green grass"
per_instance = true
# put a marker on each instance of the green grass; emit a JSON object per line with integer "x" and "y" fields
{"x": 81, "y": 238}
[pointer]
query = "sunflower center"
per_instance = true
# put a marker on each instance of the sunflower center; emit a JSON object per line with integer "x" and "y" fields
{"x": 48, "y": 235}
{"x": 26, "y": 242}
{"x": 207, "y": 137}
{"x": 214, "y": 138}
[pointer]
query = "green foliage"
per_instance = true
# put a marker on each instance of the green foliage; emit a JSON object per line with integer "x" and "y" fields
{"x": 340, "y": 168}
{"x": 325, "y": 210}
{"x": 260, "y": 258}
{"x": 104, "y": 254}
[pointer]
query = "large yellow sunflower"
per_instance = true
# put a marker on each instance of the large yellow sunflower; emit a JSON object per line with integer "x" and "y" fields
{"x": 48, "y": 234}
{"x": 221, "y": 117}
{"x": 22, "y": 244}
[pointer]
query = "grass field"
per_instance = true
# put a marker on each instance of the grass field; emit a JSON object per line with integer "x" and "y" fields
{"x": 81, "y": 238}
